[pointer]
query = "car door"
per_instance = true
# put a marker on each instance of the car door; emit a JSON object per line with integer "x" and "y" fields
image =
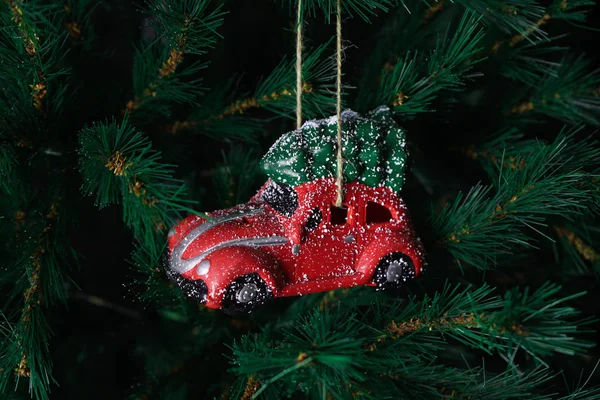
{"x": 378, "y": 218}
{"x": 328, "y": 246}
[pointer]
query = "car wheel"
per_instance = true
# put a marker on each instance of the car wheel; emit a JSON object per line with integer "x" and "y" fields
{"x": 393, "y": 271}
{"x": 245, "y": 294}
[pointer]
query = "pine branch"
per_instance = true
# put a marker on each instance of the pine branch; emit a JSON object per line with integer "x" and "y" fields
{"x": 481, "y": 227}
{"x": 148, "y": 260}
{"x": 77, "y": 21}
{"x": 188, "y": 26}
{"x": 529, "y": 63}
{"x": 7, "y": 163}
{"x": 507, "y": 149}
{"x": 425, "y": 381}
{"x": 39, "y": 274}
{"x": 506, "y": 385}
{"x": 537, "y": 323}
{"x": 404, "y": 33}
{"x": 318, "y": 73}
{"x": 514, "y": 16}
{"x": 557, "y": 10}
{"x": 577, "y": 243}
{"x": 511, "y": 16}
{"x": 523, "y": 18}
{"x": 416, "y": 81}
{"x": 29, "y": 37}
{"x": 332, "y": 348}
{"x": 211, "y": 118}
{"x": 275, "y": 94}
{"x": 569, "y": 93}
{"x": 119, "y": 166}
{"x": 157, "y": 85}
{"x": 25, "y": 354}
{"x": 237, "y": 178}
{"x": 336, "y": 354}
{"x": 185, "y": 27}
{"x": 580, "y": 392}
{"x": 570, "y": 11}
{"x": 502, "y": 150}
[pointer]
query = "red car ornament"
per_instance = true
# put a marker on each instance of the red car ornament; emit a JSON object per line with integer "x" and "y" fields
{"x": 290, "y": 241}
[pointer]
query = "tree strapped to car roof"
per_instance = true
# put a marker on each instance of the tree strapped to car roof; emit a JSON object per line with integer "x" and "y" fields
{"x": 373, "y": 150}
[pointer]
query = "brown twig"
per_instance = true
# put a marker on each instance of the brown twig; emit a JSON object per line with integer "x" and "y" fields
{"x": 32, "y": 296}
{"x": 72, "y": 27}
{"x": 31, "y": 43}
{"x": 518, "y": 38}
{"x": 586, "y": 251}
{"x": 468, "y": 320}
{"x": 498, "y": 213}
{"x": 238, "y": 107}
{"x": 252, "y": 386}
{"x": 167, "y": 69}
{"x": 431, "y": 12}
{"x": 117, "y": 164}
{"x": 512, "y": 162}
{"x": 100, "y": 302}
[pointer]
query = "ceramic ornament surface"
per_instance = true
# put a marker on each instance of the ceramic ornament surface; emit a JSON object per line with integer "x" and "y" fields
{"x": 290, "y": 239}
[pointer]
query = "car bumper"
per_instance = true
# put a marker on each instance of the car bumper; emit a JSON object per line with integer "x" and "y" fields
{"x": 195, "y": 289}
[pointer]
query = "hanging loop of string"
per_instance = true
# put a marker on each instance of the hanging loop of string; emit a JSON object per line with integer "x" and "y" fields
{"x": 299, "y": 67}
{"x": 340, "y": 160}
{"x": 299, "y": 87}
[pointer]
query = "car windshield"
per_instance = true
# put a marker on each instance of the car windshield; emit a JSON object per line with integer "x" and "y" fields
{"x": 283, "y": 198}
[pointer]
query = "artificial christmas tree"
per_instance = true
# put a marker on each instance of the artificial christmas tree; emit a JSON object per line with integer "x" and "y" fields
{"x": 119, "y": 119}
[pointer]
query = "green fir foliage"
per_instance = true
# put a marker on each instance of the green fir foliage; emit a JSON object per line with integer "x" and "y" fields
{"x": 39, "y": 275}
{"x": 417, "y": 79}
{"x": 78, "y": 14}
{"x": 119, "y": 166}
{"x": 530, "y": 187}
{"x": 123, "y": 106}
{"x": 529, "y": 63}
{"x": 223, "y": 112}
{"x": 335, "y": 351}
{"x": 189, "y": 26}
{"x": 568, "y": 93}
{"x": 318, "y": 77}
{"x": 186, "y": 27}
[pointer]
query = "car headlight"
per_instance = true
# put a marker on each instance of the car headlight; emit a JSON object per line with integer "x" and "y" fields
{"x": 203, "y": 267}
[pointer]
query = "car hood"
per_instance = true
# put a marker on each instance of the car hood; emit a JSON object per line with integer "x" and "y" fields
{"x": 252, "y": 224}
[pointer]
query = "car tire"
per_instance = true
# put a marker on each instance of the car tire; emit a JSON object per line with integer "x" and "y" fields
{"x": 393, "y": 271}
{"x": 245, "y": 294}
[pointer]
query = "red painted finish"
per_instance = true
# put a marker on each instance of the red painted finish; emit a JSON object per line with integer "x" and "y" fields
{"x": 326, "y": 260}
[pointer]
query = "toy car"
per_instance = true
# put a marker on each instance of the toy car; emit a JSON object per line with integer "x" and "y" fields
{"x": 289, "y": 241}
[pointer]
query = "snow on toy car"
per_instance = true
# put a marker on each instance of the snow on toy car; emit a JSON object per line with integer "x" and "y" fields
{"x": 291, "y": 239}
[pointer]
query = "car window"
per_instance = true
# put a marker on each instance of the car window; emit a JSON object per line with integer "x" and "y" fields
{"x": 283, "y": 198}
{"x": 377, "y": 214}
{"x": 313, "y": 220}
{"x": 338, "y": 215}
